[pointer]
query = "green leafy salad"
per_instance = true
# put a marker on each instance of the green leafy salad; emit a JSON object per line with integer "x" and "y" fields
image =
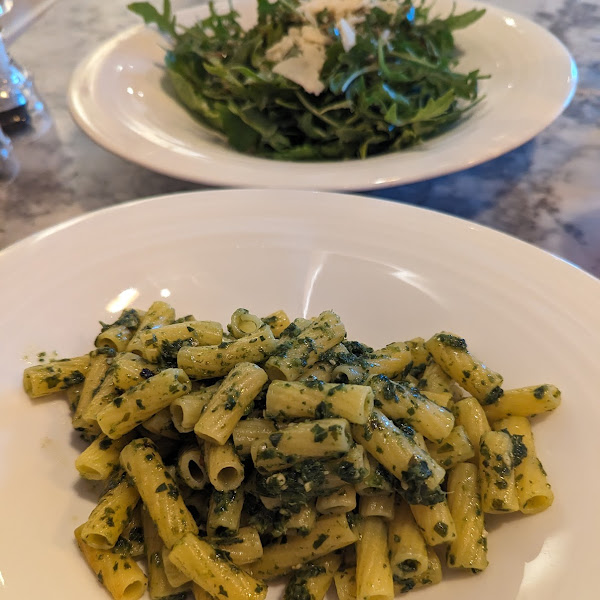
{"x": 320, "y": 79}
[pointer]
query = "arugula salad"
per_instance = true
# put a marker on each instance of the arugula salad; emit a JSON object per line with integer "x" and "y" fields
{"x": 320, "y": 79}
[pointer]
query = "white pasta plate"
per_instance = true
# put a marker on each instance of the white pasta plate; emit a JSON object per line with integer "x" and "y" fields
{"x": 118, "y": 97}
{"x": 391, "y": 271}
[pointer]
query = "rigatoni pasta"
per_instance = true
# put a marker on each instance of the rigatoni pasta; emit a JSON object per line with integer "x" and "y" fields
{"x": 234, "y": 455}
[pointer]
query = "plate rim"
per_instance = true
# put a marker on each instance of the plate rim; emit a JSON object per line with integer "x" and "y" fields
{"x": 382, "y": 166}
{"x": 293, "y": 195}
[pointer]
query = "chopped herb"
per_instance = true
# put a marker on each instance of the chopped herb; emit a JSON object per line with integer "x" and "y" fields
{"x": 452, "y": 341}
{"x": 519, "y": 449}
{"x": 441, "y": 528}
{"x": 319, "y": 433}
{"x": 275, "y": 438}
{"x": 146, "y": 373}
{"x": 493, "y": 396}
{"x": 105, "y": 444}
{"x": 498, "y": 504}
{"x": 75, "y": 378}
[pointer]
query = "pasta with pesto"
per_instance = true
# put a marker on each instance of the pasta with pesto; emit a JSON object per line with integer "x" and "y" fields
{"x": 231, "y": 455}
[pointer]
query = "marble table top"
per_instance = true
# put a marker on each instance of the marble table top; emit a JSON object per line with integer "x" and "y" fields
{"x": 547, "y": 192}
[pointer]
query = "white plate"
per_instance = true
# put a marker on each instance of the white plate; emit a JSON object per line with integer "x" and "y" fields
{"x": 391, "y": 272}
{"x": 118, "y": 97}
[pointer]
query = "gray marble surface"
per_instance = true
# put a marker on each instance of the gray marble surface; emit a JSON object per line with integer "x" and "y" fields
{"x": 546, "y": 192}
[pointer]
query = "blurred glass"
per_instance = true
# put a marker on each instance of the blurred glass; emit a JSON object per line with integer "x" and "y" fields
{"x": 9, "y": 166}
{"x": 23, "y": 115}
{"x": 5, "y": 6}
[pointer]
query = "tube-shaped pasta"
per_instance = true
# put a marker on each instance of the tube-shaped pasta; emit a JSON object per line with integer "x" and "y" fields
{"x": 315, "y": 399}
{"x": 101, "y": 457}
{"x": 206, "y": 362}
{"x": 524, "y": 402}
{"x": 121, "y": 575}
{"x": 125, "y": 371}
{"x": 158, "y": 490}
{"x": 399, "y": 401}
{"x": 431, "y": 576}
{"x": 533, "y": 490}
{"x": 167, "y": 340}
{"x": 213, "y": 572}
{"x": 390, "y": 361}
{"x": 229, "y": 403}
{"x": 453, "y": 449}
{"x": 244, "y": 547}
{"x": 444, "y": 399}
{"x": 131, "y": 540}
{"x": 248, "y": 430}
{"x": 435, "y": 380}
{"x": 142, "y": 401}
{"x": 435, "y": 522}
{"x": 345, "y": 583}
{"x": 468, "y": 549}
{"x": 103, "y": 393}
{"x": 374, "y": 364}
{"x": 109, "y": 517}
{"x": 304, "y": 350}
{"x": 373, "y": 572}
{"x": 174, "y": 576}
{"x": 223, "y": 466}
{"x": 352, "y": 468}
{"x": 200, "y": 593}
{"x": 451, "y": 353}
{"x": 191, "y": 468}
{"x": 73, "y": 393}
{"x": 58, "y": 375}
{"x": 294, "y": 329}
{"x": 377, "y": 505}
{"x": 330, "y": 533}
{"x": 395, "y": 450}
{"x": 376, "y": 481}
{"x": 397, "y": 350}
{"x": 244, "y": 323}
{"x": 186, "y": 410}
{"x": 159, "y": 314}
{"x": 408, "y": 551}
{"x": 471, "y": 416}
{"x": 158, "y": 584}
{"x": 496, "y": 472}
{"x": 345, "y": 373}
{"x": 313, "y": 580}
{"x": 161, "y": 424}
{"x": 322, "y": 438}
{"x": 277, "y": 321}
{"x": 118, "y": 334}
{"x": 225, "y": 512}
{"x": 100, "y": 362}
{"x": 419, "y": 354}
{"x": 322, "y": 369}
{"x": 338, "y": 502}
{"x": 301, "y": 522}
{"x": 129, "y": 369}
